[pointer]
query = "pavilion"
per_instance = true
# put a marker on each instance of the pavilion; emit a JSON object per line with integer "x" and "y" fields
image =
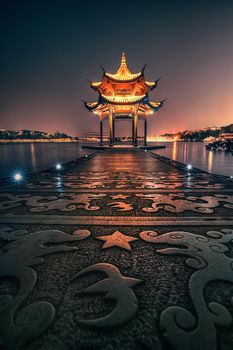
{"x": 123, "y": 95}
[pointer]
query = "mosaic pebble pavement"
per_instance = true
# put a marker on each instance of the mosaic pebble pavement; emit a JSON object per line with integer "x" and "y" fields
{"x": 122, "y": 250}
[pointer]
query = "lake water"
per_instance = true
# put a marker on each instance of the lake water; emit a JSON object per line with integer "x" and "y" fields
{"x": 194, "y": 153}
{"x": 39, "y": 156}
{"x": 35, "y": 157}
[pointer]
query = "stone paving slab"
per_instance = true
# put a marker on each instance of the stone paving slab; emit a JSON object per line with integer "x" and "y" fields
{"x": 87, "y": 265}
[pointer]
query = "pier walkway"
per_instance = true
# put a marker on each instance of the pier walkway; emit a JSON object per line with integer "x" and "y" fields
{"x": 122, "y": 250}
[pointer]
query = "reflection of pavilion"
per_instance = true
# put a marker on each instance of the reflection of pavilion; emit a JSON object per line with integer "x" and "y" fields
{"x": 123, "y": 95}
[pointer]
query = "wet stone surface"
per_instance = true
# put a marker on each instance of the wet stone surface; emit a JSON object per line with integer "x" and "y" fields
{"x": 122, "y": 251}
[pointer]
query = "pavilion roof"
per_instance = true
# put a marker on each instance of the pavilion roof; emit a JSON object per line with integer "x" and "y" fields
{"x": 127, "y": 99}
{"x": 123, "y": 73}
{"x": 148, "y": 85}
{"x": 145, "y": 106}
{"x": 151, "y": 106}
{"x": 123, "y": 90}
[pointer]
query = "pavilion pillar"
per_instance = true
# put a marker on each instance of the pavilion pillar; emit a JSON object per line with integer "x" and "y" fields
{"x": 110, "y": 127}
{"x": 132, "y": 130}
{"x": 113, "y": 128}
{"x": 101, "y": 131}
{"x": 135, "y": 128}
{"x": 145, "y": 131}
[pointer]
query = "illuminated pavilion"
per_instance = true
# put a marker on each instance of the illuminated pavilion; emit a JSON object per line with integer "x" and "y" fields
{"x": 123, "y": 96}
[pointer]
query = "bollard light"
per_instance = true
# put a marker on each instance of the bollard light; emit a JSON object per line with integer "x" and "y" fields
{"x": 58, "y": 166}
{"x": 18, "y": 177}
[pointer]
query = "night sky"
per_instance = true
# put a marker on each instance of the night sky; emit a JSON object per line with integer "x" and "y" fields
{"x": 50, "y": 48}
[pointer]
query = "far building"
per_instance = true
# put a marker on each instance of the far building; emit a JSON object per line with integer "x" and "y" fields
{"x": 123, "y": 95}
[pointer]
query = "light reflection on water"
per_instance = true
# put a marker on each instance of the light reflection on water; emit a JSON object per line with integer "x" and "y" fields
{"x": 40, "y": 156}
{"x": 218, "y": 162}
{"x": 36, "y": 156}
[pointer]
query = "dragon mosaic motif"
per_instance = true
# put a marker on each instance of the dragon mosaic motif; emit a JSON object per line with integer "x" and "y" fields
{"x": 62, "y": 202}
{"x": 115, "y": 287}
{"x": 86, "y": 176}
{"x": 121, "y": 206}
{"x": 173, "y": 185}
{"x": 103, "y": 300}
{"x": 208, "y": 256}
{"x": 22, "y": 252}
{"x": 173, "y": 202}
{"x": 179, "y": 202}
{"x": 108, "y": 184}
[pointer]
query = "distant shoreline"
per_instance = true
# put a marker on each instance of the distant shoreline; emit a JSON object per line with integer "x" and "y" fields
{"x": 23, "y": 141}
{"x": 28, "y": 141}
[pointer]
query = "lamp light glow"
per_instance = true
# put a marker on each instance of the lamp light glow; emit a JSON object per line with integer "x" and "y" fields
{"x": 58, "y": 166}
{"x": 18, "y": 177}
{"x": 189, "y": 167}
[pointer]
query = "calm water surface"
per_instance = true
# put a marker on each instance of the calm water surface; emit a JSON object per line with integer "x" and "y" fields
{"x": 195, "y": 153}
{"x": 36, "y": 156}
{"x": 39, "y": 156}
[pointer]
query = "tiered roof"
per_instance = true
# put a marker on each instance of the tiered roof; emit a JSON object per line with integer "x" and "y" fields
{"x": 123, "y": 88}
{"x": 123, "y": 73}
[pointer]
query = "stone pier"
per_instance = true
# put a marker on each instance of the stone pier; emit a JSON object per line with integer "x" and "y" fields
{"x": 121, "y": 250}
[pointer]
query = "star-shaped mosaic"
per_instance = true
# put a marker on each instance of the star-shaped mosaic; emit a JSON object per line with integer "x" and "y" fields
{"x": 117, "y": 239}
{"x": 120, "y": 196}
